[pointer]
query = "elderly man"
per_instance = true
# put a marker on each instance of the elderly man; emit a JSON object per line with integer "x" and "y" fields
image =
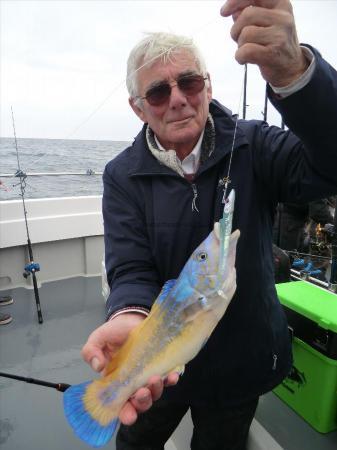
{"x": 163, "y": 194}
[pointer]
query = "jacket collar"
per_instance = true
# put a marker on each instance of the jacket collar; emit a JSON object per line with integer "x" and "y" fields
{"x": 144, "y": 163}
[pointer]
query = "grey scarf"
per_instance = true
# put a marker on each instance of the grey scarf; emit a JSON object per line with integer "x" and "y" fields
{"x": 169, "y": 157}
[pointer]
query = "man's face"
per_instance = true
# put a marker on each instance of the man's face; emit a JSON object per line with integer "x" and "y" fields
{"x": 179, "y": 121}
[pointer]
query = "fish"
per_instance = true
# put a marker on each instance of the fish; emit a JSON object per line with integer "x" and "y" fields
{"x": 180, "y": 322}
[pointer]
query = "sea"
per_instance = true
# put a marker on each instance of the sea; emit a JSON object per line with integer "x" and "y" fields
{"x": 57, "y": 156}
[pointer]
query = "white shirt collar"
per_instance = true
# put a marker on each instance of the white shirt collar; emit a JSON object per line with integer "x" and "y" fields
{"x": 191, "y": 162}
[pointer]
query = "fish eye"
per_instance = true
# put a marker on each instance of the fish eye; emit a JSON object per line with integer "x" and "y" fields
{"x": 202, "y": 256}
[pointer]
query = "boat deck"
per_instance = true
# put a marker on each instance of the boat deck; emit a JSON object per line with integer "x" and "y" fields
{"x": 31, "y": 417}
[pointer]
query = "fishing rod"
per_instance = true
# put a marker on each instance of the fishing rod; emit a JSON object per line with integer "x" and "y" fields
{"x": 61, "y": 387}
{"x": 32, "y": 267}
{"x": 279, "y": 206}
{"x": 332, "y": 283}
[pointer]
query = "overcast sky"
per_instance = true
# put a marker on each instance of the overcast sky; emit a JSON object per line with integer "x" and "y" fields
{"x": 63, "y": 62}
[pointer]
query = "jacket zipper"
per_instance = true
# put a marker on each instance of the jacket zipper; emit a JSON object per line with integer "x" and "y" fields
{"x": 195, "y": 196}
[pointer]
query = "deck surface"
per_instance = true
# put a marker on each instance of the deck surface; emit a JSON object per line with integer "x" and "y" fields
{"x": 31, "y": 417}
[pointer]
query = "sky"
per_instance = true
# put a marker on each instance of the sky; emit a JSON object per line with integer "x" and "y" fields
{"x": 63, "y": 63}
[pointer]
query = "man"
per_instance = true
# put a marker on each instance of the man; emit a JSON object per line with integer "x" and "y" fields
{"x": 293, "y": 218}
{"x": 163, "y": 194}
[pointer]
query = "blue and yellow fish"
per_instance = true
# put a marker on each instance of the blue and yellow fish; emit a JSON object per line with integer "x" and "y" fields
{"x": 181, "y": 320}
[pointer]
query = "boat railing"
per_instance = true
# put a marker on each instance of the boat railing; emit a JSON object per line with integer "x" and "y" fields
{"x": 300, "y": 276}
{"x": 88, "y": 172}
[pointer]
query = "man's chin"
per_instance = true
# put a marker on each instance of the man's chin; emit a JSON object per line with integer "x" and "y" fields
{"x": 183, "y": 131}
{"x": 177, "y": 140}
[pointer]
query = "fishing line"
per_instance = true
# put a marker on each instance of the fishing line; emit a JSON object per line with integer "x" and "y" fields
{"x": 21, "y": 176}
{"x": 116, "y": 88}
{"x": 227, "y": 179}
{"x": 131, "y": 75}
{"x": 122, "y": 83}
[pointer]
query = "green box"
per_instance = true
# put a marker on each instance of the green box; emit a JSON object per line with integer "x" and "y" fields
{"x": 311, "y": 387}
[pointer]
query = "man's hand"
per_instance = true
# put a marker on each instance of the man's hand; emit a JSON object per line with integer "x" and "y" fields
{"x": 266, "y": 35}
{"x": 102, "y": 345}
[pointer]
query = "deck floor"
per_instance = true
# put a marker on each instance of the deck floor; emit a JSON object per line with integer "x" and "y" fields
{"x": 31, "y": 417}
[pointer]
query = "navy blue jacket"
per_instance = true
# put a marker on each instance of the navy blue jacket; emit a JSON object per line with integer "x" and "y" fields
{"x": 151, "y": 230}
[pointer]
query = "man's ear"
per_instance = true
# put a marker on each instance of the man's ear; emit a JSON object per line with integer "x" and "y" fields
{"x": 140, "y": 113}
{"x": 209, "y": 88}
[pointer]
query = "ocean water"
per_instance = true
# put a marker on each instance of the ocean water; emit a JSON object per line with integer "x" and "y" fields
{"x": 55, "y": 155}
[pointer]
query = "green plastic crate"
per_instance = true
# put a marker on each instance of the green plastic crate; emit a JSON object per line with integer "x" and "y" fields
{"x": 311, "y": 387}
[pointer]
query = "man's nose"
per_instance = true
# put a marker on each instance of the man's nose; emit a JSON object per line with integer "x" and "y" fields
{"x": 177, "y": 97}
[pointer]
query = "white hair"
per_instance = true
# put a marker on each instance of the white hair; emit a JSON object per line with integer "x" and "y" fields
{"x": 158, "y": 45}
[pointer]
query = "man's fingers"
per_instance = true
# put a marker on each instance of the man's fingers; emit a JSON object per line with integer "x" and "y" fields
{"x": 156, "y": 386}
{"x": 260, "y": 18}
{"x": 142, "y": 400}
{"x": 97, "y": 350}
{"x": 234, "y": 6}
{"x": 94, "y": 356}
{"x": 104, "y": 342}
{"x": 128, "y": 414}
{"x": 255, "y": 54}
{"x": 254, "y": 35}
{"x": 144, "y": 397}
{"x": 171, "y": 379}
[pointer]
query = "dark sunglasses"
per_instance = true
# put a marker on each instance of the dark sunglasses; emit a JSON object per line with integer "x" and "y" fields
{"x": 188, "y": 84}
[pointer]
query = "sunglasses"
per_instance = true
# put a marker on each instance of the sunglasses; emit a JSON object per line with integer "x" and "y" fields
{"x": 187, "y": 84}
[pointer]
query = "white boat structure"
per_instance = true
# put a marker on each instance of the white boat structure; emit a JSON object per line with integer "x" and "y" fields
{"x": 67, "y": 238}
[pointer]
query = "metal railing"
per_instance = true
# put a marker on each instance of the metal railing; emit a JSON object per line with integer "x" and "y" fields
{"x": 17, "y": 174}
{"x": 299, "y": 276}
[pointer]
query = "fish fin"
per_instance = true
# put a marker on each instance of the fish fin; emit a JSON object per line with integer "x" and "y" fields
{"x": 165, "y": 290}
{"x": 81, "y": 420}
{"x": 163, "y": 301}
{"x": 190, "y": 311}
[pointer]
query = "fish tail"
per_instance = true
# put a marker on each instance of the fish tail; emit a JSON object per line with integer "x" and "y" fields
{"x": 81, "y": 419}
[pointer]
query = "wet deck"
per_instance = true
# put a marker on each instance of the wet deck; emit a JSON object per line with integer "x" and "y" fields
{"x": 31, "y": 417}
